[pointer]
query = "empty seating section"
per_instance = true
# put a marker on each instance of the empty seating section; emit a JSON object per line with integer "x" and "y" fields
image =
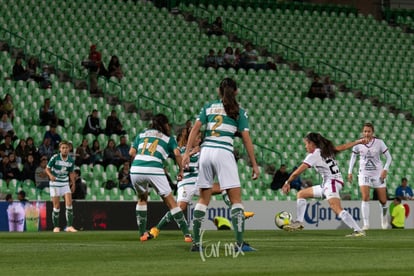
{"x": 159, "y": 53}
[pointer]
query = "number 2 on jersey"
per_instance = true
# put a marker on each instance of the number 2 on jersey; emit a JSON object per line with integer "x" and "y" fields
{"x": 332, "y": 166}
{"x": 219, "y": 121}
{"x": 152, "y": 147}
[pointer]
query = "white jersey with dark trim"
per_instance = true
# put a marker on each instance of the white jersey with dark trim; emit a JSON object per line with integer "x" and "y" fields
{"x": 370, "y": 163}
{"x": 326, "y": 167}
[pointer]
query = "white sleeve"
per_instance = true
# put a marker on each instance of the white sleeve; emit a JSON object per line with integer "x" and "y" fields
{"x": 388, "y": 161}
{"x": 352, "y": 162}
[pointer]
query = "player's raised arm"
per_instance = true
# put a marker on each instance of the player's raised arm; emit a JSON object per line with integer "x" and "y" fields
{"x": 350, "y": 144}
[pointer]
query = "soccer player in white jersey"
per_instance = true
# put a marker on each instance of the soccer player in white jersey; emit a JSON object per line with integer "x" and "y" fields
{"x": 372, "y": 173}
{"x": 222, "y": 118}
{"x": 321, "y": 156}
{"x": 60, "y": 170}
{"x": 149, "y": 150}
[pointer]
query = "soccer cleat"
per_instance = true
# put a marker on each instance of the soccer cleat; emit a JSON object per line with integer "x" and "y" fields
{"x": 384, "y": 222}
{"x": 56, "y": 230}
{"x": 146, "y": 236}
{"x": 196, "y": 248}
{"x": 188, "y": 238}
{"x": 244, "y": 247}
{"x": 248, "y": 214}
{"x": 365, "y": 227}
{"x": 356, "y": 234}
{"x": 293, "y": 226}
{"x": 154, "y": 232}
{"x": 71, "y": 229}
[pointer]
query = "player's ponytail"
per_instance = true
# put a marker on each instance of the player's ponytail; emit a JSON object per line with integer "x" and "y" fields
{"x": 326, "y": 146}
{"x": 160, "y": 123}
{"x": 228, "y": 88}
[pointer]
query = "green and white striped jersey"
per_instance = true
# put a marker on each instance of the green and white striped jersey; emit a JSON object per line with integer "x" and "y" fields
{"x": 152, "y": 147}
{"x": 220, "y": 129}
{"x": 190, "y": 173}
{"x": 61, "y": 168}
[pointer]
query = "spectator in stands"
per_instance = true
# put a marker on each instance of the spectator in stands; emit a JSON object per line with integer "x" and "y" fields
{"x": 114, "y": 68}
{"x": 216, "y": 28}
{"x": 404, "y": 191}
{"x": 8, "y": 106}
{"x": 14, "y": 166}
{"x": 29, "y": 169}
{"x": 92, "y": 124}
{"x": 45, "y": 82}
{"x": 220, "y": 59}
{"x": 316, "y": 90}
{"x": 83, "y": 154}
{"x": 249, "y": 57}
{"x": 97, "y": 153}
{"x": 7, "y": 146}
{"x": 80, "y": 186}
{"x": 329, "y": 87}
{"x": 124, "y": 177}
{"x": 20, "y": 151}
{"x": 54, "y": 137}
{"x": 279, "y": 178}
{"x": 114, "y": 125}
{"x": 111, "y": 155}
{"x": 6, "y": 127}
{"x": 229, "y": 58}
{"x": 95, "y": 67}
{"x": 19, "y": 73}
{"x": 31, "y": 148}
{"x": 21, "y": 196}
{"x": 41, "y": 177}
{"x": 72, "y": 153}
{"x": 237, "y": 58}
{"x": 32, "y": 69}
{"x": 9, "y": 198}
{"x": 5, "y": 169}
{"x": 210, "y": 60}
{"x": 47, "y": 115}
{"x": 46, "y": 149}
{"x": 124, "y": 148}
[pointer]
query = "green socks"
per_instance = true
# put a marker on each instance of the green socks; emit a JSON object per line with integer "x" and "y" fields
{"x": 165, "y": 219}
{"x": 199, "y": 213}
{"x": 69, "y": 215}
{"x": 141, "y": 214}
{"x": 55, "y": 217}
{"x": 237, "y": 220}
{"x": 226, "y": 199}
{"x": 179, "y": 218}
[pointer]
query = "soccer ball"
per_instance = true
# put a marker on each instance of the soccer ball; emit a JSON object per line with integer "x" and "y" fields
{"x": 283, "y": 218}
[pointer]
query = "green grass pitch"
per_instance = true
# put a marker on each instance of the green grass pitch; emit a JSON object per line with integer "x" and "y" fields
{"x": 312, "y": 252}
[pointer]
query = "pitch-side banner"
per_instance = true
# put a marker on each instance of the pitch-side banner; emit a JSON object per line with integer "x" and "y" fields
{"x": 318, "y": 215}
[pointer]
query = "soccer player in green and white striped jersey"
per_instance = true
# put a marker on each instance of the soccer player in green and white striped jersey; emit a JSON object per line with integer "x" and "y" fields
{"x": 187, "y": 186}
{"x": 149, "y": 149}
{"x": 60, "y": 170}
{"x": 223, "y": 118}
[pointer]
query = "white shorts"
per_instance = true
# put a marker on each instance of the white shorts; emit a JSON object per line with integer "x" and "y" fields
{"x": 58, "y": 191}
{"x": 371, "y": 181}
{"x": 185, "y": 193}
{"x": 141, "y": 183}
{"x": 217, "y": 162}
{"x": 329, "y": 189}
